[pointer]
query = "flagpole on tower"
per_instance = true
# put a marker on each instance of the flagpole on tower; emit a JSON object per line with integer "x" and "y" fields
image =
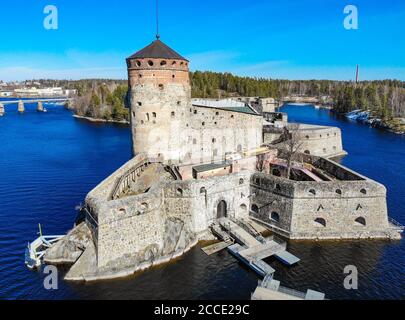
{"x": 157, "y": 20}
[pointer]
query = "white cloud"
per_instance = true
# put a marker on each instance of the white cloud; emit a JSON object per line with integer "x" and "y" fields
{"x": 76, "y": 64}
{"x": 228, "y": 61}
{"x": 73, "y": 64}
{"x": 213, "y": 60}
{"x": 23, "y": 73}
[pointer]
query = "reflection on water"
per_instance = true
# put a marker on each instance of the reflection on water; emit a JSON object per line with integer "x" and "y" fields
{"x": 50, "y": 161}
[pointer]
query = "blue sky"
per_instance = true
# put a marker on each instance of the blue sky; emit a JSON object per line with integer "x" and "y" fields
{"x": 289, "y": 39}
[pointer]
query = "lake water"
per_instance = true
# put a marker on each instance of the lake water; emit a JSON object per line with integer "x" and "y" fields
{"x": 49, "y": 161}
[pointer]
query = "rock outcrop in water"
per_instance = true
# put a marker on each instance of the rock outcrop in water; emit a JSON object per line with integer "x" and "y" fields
{"x": 396, "y": 125}
{"x": 70, "y": 247}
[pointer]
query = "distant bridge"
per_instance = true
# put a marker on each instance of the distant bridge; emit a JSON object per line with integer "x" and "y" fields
{"x": 39, "y": 101}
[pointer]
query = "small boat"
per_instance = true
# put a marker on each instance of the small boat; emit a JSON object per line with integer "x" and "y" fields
{"x": 36, "y": 249}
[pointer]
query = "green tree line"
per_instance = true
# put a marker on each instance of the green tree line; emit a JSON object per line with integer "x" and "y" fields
{"x": 105, "y": 98}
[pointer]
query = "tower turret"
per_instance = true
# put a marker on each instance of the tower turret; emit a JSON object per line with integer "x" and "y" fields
{"x": 160, "y": 95}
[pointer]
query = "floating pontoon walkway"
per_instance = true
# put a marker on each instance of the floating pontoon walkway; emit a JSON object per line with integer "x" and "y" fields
{"x": 286, "y": 258}
{"x": 251, "y": 250}
{"x": 258, "y": 266}
{"x": 216, "y": 247}
{"x": 271, "y": 290}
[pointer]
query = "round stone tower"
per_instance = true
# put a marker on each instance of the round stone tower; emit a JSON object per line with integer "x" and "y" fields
{"x": 159, "y": 99}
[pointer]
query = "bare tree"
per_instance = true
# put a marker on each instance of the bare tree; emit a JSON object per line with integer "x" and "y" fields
{"x": 291, "y": 145}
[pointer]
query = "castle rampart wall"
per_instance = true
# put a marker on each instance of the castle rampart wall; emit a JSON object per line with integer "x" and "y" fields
{"x": 324, "y": 210}
{"x": 168, "y": 218}
{"x": 218, "y": 131}
{"x": 315, "y": 140}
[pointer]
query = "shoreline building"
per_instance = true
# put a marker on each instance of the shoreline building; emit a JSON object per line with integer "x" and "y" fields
{"x": 197, "y": 162}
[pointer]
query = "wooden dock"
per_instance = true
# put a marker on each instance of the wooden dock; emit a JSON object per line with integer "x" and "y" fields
{"x": 271, "y": 290}
{"x": 251, "y": 250}
{"x": 216, "y": 247}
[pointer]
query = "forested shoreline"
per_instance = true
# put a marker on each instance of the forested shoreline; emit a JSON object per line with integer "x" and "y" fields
{"x": 385, "y": 99}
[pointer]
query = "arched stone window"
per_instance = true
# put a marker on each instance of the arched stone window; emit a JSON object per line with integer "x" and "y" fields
{"x": 363, "y": 191}
{"x": 254, "y": 208}
{"x": 174, "y": 63}
{"x": 320, "y": 222}
{"x": 312, "y": 191}
{"x": 307, "y": 152}
{"x": 179, "y": 192}
{"x": 163, "y": 63}
{"x": 324, "y": 150}
{"x": 147, "y": 116}
{"x": 203, "y": 123}
{"x": 360, "y": 221}
{"x": 154, "y": 114}
{"x": 243, "y": 208}
{"x": 161, "y": 86}
{"x": 241, "y": 181}
{"x": 275, "y": 216}
{"x": 173, "y": 114}
{"x": 203, "y": 190}
{"x": 338, "y": 191}
{"x": 138, "y": 63}
{"x": 277, "y": 187}
{"x": 150, "y": 63}
{"x": 307, "y": 136}
{"x": 257, "y": 181}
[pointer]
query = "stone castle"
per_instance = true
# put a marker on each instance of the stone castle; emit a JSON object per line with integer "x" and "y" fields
{"x": 196, "y": 161}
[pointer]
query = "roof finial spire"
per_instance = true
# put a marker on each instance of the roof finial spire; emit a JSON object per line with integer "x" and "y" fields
{"x": 157, "y": 20}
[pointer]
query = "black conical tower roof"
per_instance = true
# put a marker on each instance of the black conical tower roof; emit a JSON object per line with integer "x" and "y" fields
{"x": 157, "y": 50}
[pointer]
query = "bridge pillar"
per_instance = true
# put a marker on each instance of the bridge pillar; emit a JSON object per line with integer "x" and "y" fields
{"x": 40, "y": 106}
{"x": 21, "y": 107}
{"x": 1, "y": 110}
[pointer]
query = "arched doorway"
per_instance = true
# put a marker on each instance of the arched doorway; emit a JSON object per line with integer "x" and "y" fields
{"x": 221, "y": 209}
